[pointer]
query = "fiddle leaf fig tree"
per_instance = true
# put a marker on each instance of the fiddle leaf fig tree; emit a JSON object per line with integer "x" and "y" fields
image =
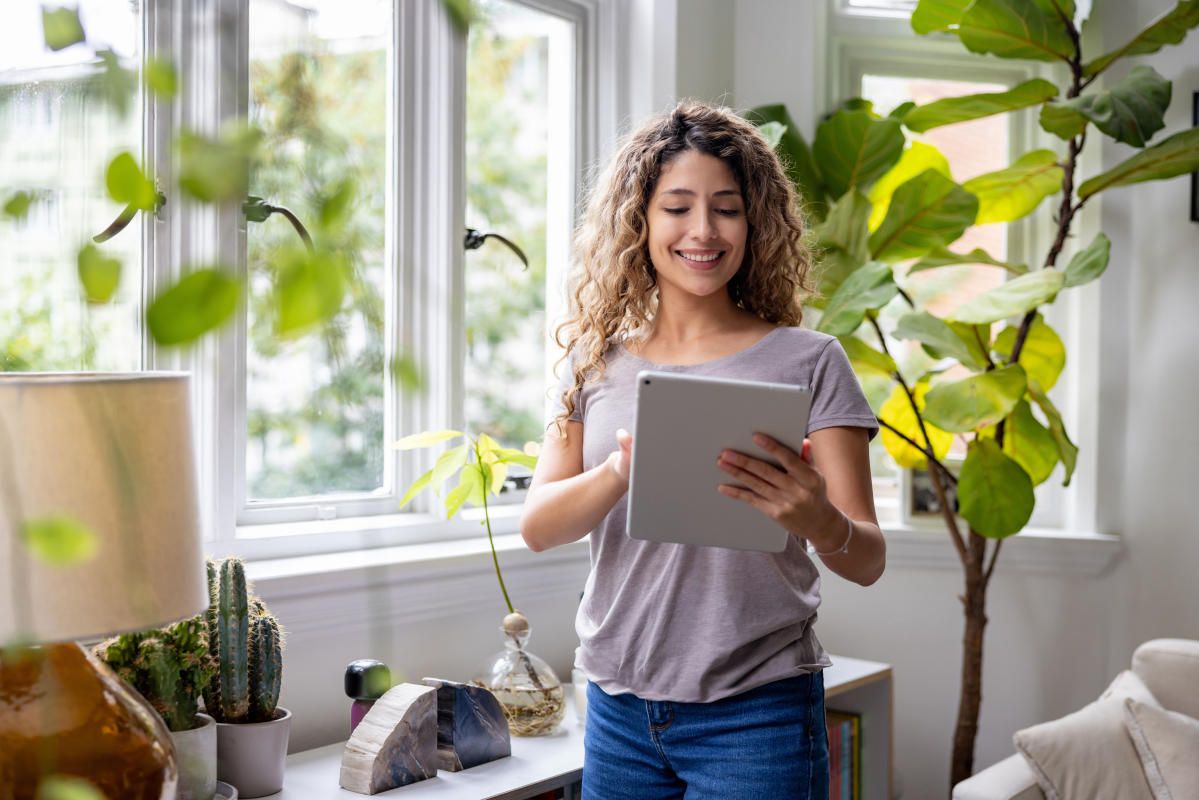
{"x": 884, "y": 208}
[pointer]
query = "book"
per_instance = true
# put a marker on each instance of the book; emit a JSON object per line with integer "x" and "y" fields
{"x": 845, "y": 755}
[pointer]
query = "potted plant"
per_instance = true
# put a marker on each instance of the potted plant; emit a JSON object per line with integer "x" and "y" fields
{"x": 527, "y": 687}
{"x": 170, "y": 667}
{"x": 982, "y": 372}
{"x": 243, "y": 693}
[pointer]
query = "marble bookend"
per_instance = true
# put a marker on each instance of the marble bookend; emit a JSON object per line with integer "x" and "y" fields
{"x": 471, "y": 726}
{"x": 395, "y": 743}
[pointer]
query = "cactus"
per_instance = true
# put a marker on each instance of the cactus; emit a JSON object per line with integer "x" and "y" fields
{"x": 169, "y": 667}
{"x": 248, "y": 645}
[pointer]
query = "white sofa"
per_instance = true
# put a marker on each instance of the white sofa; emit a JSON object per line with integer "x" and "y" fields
{"x": 1073, "y": 758}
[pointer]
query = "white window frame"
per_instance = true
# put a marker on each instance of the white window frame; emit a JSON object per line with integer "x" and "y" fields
{"x": 426, "y": 220}
{"x": 861, "y": 42}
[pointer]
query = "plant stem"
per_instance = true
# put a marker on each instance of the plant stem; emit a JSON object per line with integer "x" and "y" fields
{"x": 491, "y": 540}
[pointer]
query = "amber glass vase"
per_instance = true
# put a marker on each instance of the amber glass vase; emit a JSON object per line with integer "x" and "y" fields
{"x": 65, "y": 713}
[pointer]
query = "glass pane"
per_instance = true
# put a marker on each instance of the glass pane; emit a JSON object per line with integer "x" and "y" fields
{"x": 58, "y": 131}
{"x": 318, "y": 89}
{"x": 519, "y": 134}
{"x": 971, "y": 148}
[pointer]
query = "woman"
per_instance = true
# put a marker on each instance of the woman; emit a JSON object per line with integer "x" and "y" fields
{"x": 705, "y": 674}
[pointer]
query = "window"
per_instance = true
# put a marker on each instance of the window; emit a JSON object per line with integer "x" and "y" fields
{"x": 59, "y": 128}
{"x": 380, "y": 107}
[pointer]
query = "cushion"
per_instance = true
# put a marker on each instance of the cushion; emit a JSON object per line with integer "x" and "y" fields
{"x": 1170, "y": 670}
{"x": 1089, "y": 754}
{"x": 1168, "y": 744}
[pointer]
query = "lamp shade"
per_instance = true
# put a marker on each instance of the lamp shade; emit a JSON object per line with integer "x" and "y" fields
{"x": 113, "y": 453}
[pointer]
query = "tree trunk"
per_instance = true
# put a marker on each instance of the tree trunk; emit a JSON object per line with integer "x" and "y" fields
{"x": 975, "y": 604}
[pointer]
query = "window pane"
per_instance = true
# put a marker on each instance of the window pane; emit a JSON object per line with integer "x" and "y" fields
{"x": 318, "y": 89}
{"x": 519, "y": 138}
{"x": 971, "y": 148}
{"x": 58, "y": 131}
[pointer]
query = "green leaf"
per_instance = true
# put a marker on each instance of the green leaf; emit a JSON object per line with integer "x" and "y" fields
{"x": 854, "y": 148}
{"x": 1132, "y": 110}
{"x": 1029, "y": 443}
{"x": 944, "y": 257}
{"x": 425, "y": 439}
{"x": 869, "y": 288}
{"x": 901, "y": 111}
{"x": 405, "y": 370}
{"x": 469, "y": 484}
{"x": 61, "y": 27}
{"x": 1017, "y": 296}
{"x": 796, "y": 156}
{"x": 59, "y": 539}
{"x": 1169, "y": 28}
{"x": 772, "y": 132}
{"x": 1062, "y": 122}
{"x": 217, "y": 169}
{"x": 977, "y": 401}
{"x": 995, "y": 493}
{"x": 936, "y": 334}
{"x": 161, "y": 77}
{"x": 1089, "y": 263}
{"x": 128, "y": 185}
{"x": 508, "y": 455}
{"x": 416, "y": 487}
{"x": 977, "y": 339}
{"x": 462, "y": 13}
{"x": 67, "y": 787}
{"x": 487, "y": 444}
{"x": 117, "y": 83}
{"x": 1177, "y": 155}
{"x": 938, "y": 15}
{"x": 927, "y": 211}
{"x": 842, "y": 240}
{"x": 1012, "y": 193}
{"x": 309, "y": 289}
{"x": 864, "y": 357}
{"x": 17, "y": 205}
{"x": 198, "y": 303}
{"x": 915, "y": 159}
{"x": 897, "y": 412}
{"x": 1043, "y": 355}
{"x": 98, "y": 273}
{"x": 494, "y": 472}
{"x": 1065, "y": 448}
{"x": 1014, "y": 29}
{"x": 976, "y": 106}
{"x": 447, "y": 464}
{"x": 335, "y": 207}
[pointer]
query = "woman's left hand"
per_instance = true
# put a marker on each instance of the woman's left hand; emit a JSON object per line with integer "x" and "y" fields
{"x": 795, "y": 496}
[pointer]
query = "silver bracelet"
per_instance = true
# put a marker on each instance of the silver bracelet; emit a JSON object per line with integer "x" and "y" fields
{"x": 844, "y": 548}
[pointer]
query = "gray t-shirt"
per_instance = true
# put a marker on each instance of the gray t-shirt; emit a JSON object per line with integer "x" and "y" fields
{"x": 694, "y": 624}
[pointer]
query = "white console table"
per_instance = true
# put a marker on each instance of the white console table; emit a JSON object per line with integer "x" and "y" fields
{"x": 544, "y": 763}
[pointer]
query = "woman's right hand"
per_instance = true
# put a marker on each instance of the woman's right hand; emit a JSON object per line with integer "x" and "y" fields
{"x": 620, "y": 460}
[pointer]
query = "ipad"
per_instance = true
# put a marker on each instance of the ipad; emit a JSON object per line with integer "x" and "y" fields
{"x": 682, "y": 423}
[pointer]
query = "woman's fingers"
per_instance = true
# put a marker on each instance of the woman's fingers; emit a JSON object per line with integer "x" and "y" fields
{"x": 792, "y": 462}
{"x": 749, "y": 472}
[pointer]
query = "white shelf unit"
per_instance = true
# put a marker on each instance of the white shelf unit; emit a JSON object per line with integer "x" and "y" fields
{"x": 544, "y": 763}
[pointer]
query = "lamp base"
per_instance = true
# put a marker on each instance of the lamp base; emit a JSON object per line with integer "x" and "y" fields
{"x": 63, "y": 712}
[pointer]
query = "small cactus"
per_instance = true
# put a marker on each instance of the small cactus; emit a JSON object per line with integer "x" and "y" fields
{"x": 169, "y": 667}
{"x": 248, "y": 645}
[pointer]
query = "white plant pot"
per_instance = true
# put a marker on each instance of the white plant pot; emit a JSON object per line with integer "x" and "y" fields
{"x": 195, "y": 753}
{"x": 250, "y": 755}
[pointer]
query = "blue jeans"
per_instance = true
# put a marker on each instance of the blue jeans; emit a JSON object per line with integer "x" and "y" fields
{"x": 769, "y": 743}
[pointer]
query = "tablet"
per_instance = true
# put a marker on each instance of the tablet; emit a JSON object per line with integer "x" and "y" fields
{"x": 682, "y": 423}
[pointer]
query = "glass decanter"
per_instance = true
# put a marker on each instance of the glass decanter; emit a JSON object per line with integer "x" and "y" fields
{"x": 527, "y": 687}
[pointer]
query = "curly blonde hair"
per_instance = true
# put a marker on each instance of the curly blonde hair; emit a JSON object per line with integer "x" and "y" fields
{"x": 612, "y": 287}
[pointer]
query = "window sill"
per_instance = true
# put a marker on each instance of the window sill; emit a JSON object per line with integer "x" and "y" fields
{"x": 1033, "y": 550}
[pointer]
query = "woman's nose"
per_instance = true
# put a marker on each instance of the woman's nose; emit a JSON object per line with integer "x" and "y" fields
{"x": 704, "y": 227}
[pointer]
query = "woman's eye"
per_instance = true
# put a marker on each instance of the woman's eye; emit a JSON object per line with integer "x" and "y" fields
{"x": 729, "y": 212}
{"x": 676, "y": 210}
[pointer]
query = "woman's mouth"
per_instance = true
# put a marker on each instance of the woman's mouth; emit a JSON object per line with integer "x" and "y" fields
{"x": 701, "y": 259}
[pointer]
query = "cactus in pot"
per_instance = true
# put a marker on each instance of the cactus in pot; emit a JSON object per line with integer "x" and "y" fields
{"x": 248, "y": 646}
{"x": 168, "y": 666}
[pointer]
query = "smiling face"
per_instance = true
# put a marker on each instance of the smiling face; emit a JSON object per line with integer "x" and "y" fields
{"x": 697, "y": 225}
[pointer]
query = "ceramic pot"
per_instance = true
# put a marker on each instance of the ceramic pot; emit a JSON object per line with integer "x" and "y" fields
{"x": 250, "y": 755}
{"x": 195, "y": 753}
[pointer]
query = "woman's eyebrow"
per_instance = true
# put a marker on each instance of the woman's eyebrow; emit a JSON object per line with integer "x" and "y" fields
{"x": 722, "y": 192}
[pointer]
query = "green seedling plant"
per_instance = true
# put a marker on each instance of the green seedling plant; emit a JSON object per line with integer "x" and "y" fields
{"x": 169, "y": 667}
{"x": 247, "y": 644}
{"x": 983, "y": 371}
{"x": 480, "y": 465}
